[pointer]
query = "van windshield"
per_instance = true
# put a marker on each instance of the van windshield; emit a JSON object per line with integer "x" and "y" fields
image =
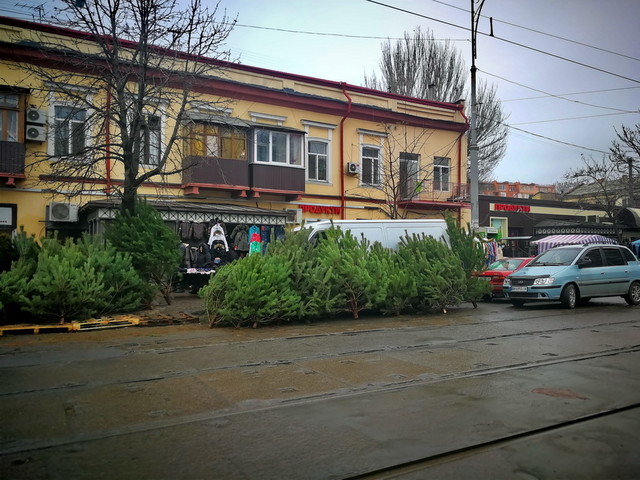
{"x": 556, "y": 256}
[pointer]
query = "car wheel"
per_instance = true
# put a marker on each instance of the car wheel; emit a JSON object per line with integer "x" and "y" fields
{"x": 517, "y": 303}
{"x": 633, "y": 297}
{"x": 569, "y": 296}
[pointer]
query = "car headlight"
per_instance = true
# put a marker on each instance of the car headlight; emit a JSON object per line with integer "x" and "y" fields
{"x": 507, "y": 282}
{"x": 544, "y": 281}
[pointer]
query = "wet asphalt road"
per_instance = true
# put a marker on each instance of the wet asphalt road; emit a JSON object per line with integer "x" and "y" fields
{"x": 493, "y": 392}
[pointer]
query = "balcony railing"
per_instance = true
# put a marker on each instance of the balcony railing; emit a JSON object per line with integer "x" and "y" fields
{"x": 229, "y": 174}
{"x": 12, "y": 155}
{"x": 216, "y": 172}
{"x": 430, "y": 191}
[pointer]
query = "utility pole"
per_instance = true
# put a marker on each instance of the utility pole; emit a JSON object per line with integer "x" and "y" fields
{"x": 473, "y": 143}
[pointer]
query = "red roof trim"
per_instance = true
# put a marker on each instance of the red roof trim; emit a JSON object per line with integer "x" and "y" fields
{"x": 237, "y": 66}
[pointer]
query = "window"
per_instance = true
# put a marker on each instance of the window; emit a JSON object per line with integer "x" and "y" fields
{"x": 441, "y": 174}
{"x": 614, "y": 256}
{"x": 150, "y": 140}
{"x": 594, "y": 258}
{"x": 317, "y": 163}
{"x": 208, "y": 140}
{"x": 273, "y": 146}
{"x": 409, "y": 175}
{"x": 9, "y": 114}
{"x": 69, "y": 128}
{"x": 370, "y": 166}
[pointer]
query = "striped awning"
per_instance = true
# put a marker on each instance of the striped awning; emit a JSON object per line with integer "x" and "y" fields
{"x": 555, "y": 240}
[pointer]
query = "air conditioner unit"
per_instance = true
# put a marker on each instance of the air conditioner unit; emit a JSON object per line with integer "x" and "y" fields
{"x": 36, "y": 116}
{"x": 63, "y": 212}
{"x": 294, "y": 215}
{"x": 353, "y": 168}
{"x": 35, "y": 133}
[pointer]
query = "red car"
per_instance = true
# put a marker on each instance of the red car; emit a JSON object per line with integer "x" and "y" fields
{"x": 497, "y": 271}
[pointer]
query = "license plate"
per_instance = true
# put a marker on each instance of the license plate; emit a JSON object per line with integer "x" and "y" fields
{"x": 518, "y": 289}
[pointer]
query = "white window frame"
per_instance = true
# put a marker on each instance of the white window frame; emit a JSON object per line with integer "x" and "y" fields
{"x": 328, "y": 139}
{"x": 143, "y": 144}
{"x": 439, "y": 171}
{"x": 273, "y": 133}
{"x": 380, "y": 147}
{"x": 56, "y": 127}
{"x": 375, "y": 173}
{"x": 327, "y": 159}
{"x": 57, "y": 98}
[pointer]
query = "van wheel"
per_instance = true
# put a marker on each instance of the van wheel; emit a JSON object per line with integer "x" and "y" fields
{"x": 633, "y": 297}
{"x": 569, "y": 296}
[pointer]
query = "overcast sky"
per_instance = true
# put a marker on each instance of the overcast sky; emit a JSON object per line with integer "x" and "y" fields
{"x": 567, "y": 71}
{"x": 558, "y": 109}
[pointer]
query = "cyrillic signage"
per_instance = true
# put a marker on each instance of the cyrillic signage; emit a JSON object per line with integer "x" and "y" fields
{"x": 512, "y": 208}
{"x": 321, "y": 209}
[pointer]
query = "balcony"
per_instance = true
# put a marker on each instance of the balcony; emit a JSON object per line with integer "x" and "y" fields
{"x": 434, "y": 192}
{"x": 273, "y": 178}
{"x": 12, "y": 155}
{"x": 241, "y": 177}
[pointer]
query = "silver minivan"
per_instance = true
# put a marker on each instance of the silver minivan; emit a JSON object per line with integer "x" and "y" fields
{"x": 576, "y": 273}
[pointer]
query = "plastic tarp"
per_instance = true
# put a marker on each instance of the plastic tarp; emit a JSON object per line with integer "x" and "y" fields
{"x": 555, "y": 240}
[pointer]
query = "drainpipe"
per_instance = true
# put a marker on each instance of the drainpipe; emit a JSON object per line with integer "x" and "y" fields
{"x": 342, "y": 192}
{"x": 107, "y": 139}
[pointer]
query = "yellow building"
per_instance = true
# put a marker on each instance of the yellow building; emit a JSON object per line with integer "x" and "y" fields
{"x": 276, "y": 149}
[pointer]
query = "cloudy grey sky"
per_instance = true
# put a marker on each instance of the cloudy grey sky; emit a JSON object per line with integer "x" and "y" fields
{"x": 567, "y": 71}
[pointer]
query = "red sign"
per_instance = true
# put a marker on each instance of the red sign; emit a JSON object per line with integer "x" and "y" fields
{"x": 512, "y": 208}
{"x": 320, "y": 209}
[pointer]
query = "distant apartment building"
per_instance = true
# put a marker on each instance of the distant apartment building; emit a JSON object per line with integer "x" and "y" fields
{"x": 516, "y": 189}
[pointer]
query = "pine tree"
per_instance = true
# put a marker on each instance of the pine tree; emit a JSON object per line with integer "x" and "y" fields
{"x": 152, "y": 245}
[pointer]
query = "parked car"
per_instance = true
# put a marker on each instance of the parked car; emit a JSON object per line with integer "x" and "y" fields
{"x": 576, "y": 273}
{"x": 497, "y": 272}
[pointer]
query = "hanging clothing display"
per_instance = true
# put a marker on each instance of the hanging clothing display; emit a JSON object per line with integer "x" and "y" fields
{"x": 240, "y": 238}
{"x": 255, "y": 241}
{"x": 218, "y": 236}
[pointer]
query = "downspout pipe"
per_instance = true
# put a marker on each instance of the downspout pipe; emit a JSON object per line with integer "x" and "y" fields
{"x": 107, "y": 139}
{"x": 342, "y": 188}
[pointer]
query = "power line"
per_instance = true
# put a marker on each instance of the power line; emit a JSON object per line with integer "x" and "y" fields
{"x": 345, "y": 35}
{"x": 556, "y": 96}
{"x": 543, "y": 33}
{"x": 568, "y": 94}
{"x": 572, "y": 118}
{"x": 506, "y": 41}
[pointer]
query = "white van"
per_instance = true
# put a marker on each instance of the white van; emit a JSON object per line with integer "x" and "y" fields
{"x": 387, "y": 232}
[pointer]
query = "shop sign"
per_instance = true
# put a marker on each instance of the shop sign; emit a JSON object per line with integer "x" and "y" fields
{"x": 320, "y": 209}
{"x": 512, "y": 208}
{"x": 6, "y": 217}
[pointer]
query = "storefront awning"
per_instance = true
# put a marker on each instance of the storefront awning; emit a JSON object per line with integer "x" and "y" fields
{"x": 555, "y": 240}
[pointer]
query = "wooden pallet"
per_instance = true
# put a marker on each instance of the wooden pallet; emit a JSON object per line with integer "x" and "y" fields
{"x": 35, "y": 329}
{"x": 84, "y": 325}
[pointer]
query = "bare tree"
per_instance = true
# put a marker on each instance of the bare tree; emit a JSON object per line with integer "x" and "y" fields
{"x": 422, "y": 67}
{"x": 403, "y": 174}
{"x": 123, "y": 86}
{"x": 600, "y": 187}
{"x": 625, "y": 154}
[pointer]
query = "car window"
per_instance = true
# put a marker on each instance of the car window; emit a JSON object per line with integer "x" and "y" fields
{"x": 628, "y": 256}
{"x": 593, "y": 257}
{"x": 556, "y": 256}
{"x": 614, "y": 256}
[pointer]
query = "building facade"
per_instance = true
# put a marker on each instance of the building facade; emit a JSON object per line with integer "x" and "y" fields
{"x": 276, "y": 149}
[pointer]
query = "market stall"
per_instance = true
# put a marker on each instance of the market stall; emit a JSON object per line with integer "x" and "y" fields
{"x": 551, "y": 241}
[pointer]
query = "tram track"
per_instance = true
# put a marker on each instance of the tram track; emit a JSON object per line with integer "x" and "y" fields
{"x": 421, "y": 464}
{"x": 427, "y": 347}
